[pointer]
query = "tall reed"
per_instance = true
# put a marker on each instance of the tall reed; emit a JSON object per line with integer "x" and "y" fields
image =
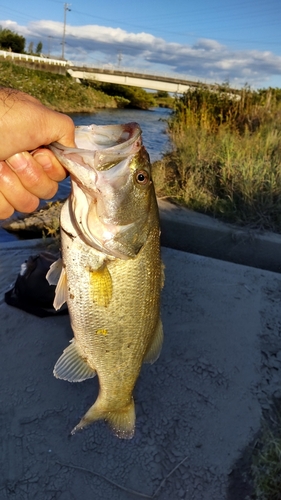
{"x": 227, "y": 155}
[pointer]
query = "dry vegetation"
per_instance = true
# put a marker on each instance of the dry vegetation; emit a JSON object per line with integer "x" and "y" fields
{"x": 227, "y": 155}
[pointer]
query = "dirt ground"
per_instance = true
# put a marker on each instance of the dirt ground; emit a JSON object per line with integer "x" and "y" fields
{"x": 198, "y": 407}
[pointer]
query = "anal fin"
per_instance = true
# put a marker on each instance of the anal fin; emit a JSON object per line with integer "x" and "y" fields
{"x": 155, "y": 346}
{"x": 72, "y": 366}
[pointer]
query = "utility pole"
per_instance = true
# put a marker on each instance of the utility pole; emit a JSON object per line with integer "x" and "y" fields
{"x": 49, "y": 44}
{"x": 120, "y": 57}
{"x": 66, "y": 8}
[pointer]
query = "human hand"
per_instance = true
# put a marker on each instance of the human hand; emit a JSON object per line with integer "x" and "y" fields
{"x": 28, "y": 171}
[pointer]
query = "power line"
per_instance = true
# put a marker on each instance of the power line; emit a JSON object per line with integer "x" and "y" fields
{"x": 161, "y": 17}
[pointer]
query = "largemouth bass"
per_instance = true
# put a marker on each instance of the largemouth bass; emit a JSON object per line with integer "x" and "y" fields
{"x": 111, "y": 274}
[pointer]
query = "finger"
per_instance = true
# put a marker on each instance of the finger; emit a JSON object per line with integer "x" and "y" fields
{"x": 54, "y": 127}
{"x": 50, "y": 164}
{"x": 32, "y": 176}
{"x": 6, "y": 210}
{"x": 67, "y": 133}
{"x": 14, "y": 192}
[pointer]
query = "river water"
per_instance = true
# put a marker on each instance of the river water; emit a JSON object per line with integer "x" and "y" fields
{"x": 152, "y": 122}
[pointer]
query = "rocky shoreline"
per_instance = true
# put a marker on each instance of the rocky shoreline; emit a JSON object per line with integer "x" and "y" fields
{"x": 41, "y": 223}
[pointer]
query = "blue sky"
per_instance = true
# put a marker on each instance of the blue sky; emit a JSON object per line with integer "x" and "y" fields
{"x": 210, "y": 41}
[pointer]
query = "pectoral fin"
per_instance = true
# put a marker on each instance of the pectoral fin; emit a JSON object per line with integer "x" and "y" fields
{"x": 154, "y": 349}
{"x": 57, "y": 276}
{"x": 72, "y": 366}
{"x": 54, "y": 272}
{"x": 101, "y": 286}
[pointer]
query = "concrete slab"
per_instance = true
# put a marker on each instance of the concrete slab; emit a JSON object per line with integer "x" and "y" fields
{"x": 183, "y": 229}
{"x": 197, "y": 407}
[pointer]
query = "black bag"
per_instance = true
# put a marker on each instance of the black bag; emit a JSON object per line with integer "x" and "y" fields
{"x": 31, "y": 291}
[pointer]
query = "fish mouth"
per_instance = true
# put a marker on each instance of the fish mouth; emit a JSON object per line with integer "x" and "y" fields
{"x": 99, "y": 147}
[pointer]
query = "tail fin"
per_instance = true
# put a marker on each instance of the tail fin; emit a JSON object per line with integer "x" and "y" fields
{"x": 121, "y": 421}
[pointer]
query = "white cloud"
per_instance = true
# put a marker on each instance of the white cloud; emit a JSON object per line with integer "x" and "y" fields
{"x": 206, "y": 60}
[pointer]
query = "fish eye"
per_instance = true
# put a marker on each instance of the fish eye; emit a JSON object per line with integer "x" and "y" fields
{"x": 142, "y": 177}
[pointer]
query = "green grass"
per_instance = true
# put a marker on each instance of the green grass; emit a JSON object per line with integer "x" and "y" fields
{"x": 227, "y": 156}
{"x": 55, "y": 91}
{"x": 266, "y": 461}
{"x": 266, "y": 470}
{"x": 63, "y": 93}
{"x": 133, "y": 97}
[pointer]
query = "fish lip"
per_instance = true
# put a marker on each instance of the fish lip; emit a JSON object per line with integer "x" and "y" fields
{"x": 127, "y": 142}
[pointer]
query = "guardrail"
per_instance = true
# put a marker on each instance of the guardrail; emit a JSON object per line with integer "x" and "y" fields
{"x": 28, "y": 57}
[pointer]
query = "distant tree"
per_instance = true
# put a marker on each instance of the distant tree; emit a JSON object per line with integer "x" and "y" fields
{"x": 137, "y": 98}
{"x": 11, "y": 40}
{"x": 39, "y": 48}
{"x": 162, "y": 93}
{"x": 30, "y": 48}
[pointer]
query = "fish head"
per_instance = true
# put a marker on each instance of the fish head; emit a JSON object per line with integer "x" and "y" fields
{"x": 112, "y": 189}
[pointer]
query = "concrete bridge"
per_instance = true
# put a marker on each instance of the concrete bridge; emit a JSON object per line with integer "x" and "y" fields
{"x": 122, "y": 77}
{"x": 106, "y": 75}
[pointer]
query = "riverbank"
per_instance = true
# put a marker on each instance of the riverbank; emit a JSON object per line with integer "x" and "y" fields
{"x": 58, "y": 92}
{"x": 62, "y": 93}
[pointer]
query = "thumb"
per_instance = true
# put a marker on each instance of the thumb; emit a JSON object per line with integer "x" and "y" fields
{"x": 62, "y": 130}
